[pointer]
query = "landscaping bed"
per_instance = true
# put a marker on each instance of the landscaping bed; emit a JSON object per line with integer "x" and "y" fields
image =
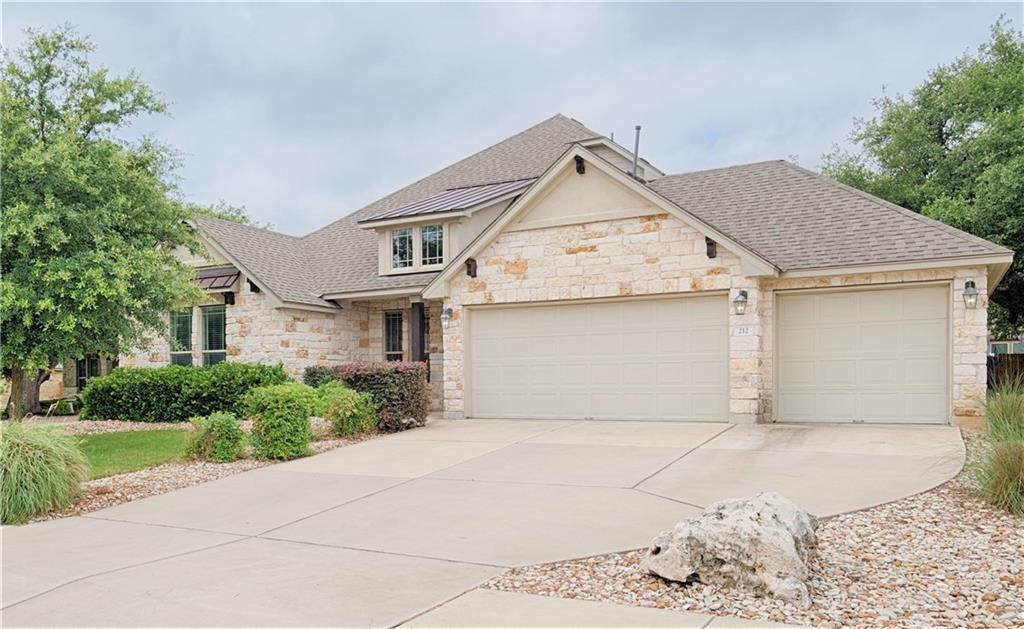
{"x": 109, "y": 491}
{"x": 940, "y": 558}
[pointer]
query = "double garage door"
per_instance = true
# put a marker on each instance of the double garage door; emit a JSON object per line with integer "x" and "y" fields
{"x": 664, "y": 359}
{"x": 843, "y": 356}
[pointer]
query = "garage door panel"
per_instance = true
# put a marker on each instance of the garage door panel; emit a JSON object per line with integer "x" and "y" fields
{"x": 632, "y": 359}
{"x": 924, "y": 371}
{"x": 879, "y": 337}
{"x": 865, "y": 356}
{"x": 920, "y": 335}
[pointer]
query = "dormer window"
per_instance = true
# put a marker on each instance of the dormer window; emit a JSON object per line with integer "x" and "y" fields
{"x": 402, "y": 255}
{"x": 416, "y": 248}
{"x": 433, "y": 244}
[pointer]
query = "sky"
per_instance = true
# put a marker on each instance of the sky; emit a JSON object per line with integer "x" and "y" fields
{"x": 303, "y": 113}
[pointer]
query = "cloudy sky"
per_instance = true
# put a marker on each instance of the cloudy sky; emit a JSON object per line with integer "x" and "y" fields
{"x": 306, "y": 112}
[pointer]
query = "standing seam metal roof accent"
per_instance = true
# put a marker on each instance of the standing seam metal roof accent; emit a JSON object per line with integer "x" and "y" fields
{"x": 454, "y": 199}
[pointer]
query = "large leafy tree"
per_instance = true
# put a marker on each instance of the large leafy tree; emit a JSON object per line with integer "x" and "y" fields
{"x": 954, "y": 150}
{"x": 90, "y": 220}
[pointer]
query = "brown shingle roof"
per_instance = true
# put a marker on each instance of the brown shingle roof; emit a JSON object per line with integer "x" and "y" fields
{"x": 792, "y": 217}
{"x": 276, "y": 260}
{"x": 798, "y": 219}
{"x": 346, "y": 254}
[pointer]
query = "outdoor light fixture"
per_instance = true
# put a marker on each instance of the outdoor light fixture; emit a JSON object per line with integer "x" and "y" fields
{"x": 446, "y": 317}
{"x": 581, "y": 166}
{"x": 739, "y": 303}
{"x": 970, "y": 294}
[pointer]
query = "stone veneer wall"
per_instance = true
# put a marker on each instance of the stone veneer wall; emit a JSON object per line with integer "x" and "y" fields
{"x": 258, "y": 333}
{"x": 649, "y": 255}
{"x": 658, "y": 254}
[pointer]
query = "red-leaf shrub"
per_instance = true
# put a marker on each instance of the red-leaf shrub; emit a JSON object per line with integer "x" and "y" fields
{"x": 399, "y": 390}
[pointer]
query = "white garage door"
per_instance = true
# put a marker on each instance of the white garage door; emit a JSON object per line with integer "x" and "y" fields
{"x": 863, "y": 356}
{"x": 658, "y": 359}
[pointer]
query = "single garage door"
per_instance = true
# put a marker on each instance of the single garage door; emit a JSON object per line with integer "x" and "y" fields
{"x": 863, "y": 356}
{"x": 654, "y": 359}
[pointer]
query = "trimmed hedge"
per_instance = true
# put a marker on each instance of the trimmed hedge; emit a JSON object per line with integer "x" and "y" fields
{"x": 175, "y": 392}
{"x": 350, "y": 412}
{"x": 399, "y": 389}
{"x": 216, "y": 438}
{"x": 280, "y": 419}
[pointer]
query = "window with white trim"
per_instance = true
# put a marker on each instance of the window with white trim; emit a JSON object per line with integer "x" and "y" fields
{"x": 432, "y": 239}
{"x": 402, "y": 254}
{"x": 414, "y": 249}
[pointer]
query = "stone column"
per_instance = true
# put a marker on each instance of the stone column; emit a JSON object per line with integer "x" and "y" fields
{"x": 747, "y": 334}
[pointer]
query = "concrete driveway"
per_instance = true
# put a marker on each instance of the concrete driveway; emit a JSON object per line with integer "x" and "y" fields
{"x": 402, "y": 529}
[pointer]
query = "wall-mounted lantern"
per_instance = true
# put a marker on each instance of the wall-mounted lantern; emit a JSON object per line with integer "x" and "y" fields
{"x": 471, "y": 267}
{"x": 581, "y": 166}
{"x": 446, "y": 318}
{"x": 970, "y": 294}
{"x": 739, "y": 303}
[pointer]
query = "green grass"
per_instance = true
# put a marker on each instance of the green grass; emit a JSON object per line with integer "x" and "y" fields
{"x": 120, "y": 452}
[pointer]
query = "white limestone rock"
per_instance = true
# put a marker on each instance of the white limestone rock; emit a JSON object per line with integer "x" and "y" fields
{"x": 761, "y": 542}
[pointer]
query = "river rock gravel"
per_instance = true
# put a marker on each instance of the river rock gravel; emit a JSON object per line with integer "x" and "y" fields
{"x": 938, "y": 559}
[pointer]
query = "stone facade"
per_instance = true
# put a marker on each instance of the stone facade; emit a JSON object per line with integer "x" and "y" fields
{"x": 658, "y": 254}
{"x": 256, "y": 332}
{"x": 968, "y": 369}
{"x": 654, "y": 254}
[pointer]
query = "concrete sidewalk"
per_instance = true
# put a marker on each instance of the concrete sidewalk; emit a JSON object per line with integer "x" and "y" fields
{"x": 378, "y": 533}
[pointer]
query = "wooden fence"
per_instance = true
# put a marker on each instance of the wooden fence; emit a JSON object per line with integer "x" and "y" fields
{"x": 1005, "y": 366}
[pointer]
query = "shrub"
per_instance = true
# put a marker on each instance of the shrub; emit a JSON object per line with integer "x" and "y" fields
{"x": 174, "y": 393}
{"x": 1004, "y": 410}
{"x": 216, "y": 438}
{"x": 399, "y": 390}
{"x": 40, "y": 471}
{"x": 350, "y": 412}
{"x": 65, "y": 406}
{"x": 318, "y": 375}
{"x": 280, "y": 419}
{"x": 1001, "y": 476}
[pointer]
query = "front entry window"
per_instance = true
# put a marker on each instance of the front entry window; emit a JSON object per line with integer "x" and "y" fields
{"x": 86, "y": 368}
{"x": 393, "y": 336}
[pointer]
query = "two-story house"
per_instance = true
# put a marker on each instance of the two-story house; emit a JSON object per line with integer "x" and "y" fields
{"x": 553, "y": 275}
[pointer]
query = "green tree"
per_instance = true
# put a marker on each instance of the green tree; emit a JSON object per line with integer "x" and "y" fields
{"x": 90, "y": 221}
{"x": 954, "y": 150}
{"x": 225, "y": 212}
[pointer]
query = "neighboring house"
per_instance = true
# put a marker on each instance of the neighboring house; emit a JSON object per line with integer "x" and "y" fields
{"x": 542, "y": 279}
{"x": 1014, "y": 346}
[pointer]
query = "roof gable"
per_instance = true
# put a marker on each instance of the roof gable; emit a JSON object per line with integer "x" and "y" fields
{"x": 561, "y": 173}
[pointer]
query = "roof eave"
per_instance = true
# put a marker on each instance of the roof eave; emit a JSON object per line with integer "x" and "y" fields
{"x": 997, "y": 264}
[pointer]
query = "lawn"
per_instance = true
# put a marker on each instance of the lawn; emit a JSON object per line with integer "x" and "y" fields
{"x": 119, "y": 452}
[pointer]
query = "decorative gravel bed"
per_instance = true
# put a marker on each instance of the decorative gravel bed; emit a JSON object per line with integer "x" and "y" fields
{"x": 114, "y": 490}
{"x": 73, "y": 425}
{"x": 939, "y": 559}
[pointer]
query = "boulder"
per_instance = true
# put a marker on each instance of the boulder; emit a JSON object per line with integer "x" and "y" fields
{"x": 761, "y": 542}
